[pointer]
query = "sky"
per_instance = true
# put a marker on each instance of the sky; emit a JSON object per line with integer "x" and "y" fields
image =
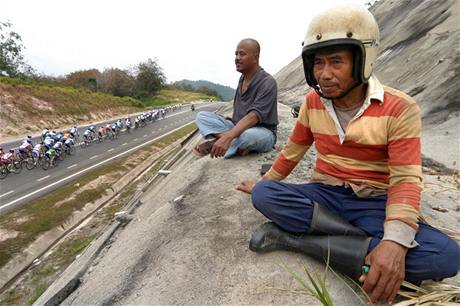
{"x": 193, "y": 40}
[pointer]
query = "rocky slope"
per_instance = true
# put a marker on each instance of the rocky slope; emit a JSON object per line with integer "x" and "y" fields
{"x": 418, "y": 55}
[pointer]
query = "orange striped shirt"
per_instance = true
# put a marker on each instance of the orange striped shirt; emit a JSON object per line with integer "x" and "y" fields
{"x": 380, "y": 148}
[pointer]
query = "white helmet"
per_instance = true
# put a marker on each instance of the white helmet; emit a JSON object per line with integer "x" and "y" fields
{"x": 350, "y": 26}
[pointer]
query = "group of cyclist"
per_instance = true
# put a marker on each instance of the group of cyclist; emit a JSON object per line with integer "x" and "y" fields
{"x": 54, "y": 145}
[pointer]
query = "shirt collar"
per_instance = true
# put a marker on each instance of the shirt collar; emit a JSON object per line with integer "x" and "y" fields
{"x": 374, "y": 89}
{"x": 254, "y": 77}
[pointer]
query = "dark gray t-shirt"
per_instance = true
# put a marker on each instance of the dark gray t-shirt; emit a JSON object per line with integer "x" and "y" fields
{"x": 260, "y": 98}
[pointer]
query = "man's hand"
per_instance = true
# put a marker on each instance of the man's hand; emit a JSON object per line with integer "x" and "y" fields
{"x": 222, "y": 144}
{"x": 246, "y": 186}
{"x": 387, "y": 271}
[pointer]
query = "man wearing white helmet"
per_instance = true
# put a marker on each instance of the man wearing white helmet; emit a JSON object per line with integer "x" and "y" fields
{"x": 362, "y": 204}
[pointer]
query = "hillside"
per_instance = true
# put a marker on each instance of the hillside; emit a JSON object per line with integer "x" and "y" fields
{"x": 29, "y": 107}
{"x": 226, "y": 92}
{"x": 419, "y": 59}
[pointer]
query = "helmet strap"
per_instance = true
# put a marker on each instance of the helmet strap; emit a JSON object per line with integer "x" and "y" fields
{"x": 343, "y": 94}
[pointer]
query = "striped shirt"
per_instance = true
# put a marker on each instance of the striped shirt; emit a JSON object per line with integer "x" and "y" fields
{"x": 378, "y": 152}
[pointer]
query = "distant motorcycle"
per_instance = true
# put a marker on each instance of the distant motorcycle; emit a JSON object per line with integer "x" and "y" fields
{"x": 192, "y": 107}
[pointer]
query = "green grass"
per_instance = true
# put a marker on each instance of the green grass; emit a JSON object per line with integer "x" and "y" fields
{"x": 61, "y": 257}
{"x": 314, "y": 285}
{"x": 44, "y": 274}
{"x": 38, "y": 291}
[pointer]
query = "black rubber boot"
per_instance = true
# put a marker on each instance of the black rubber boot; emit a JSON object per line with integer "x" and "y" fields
{"x": 326, "y": 222}
{"x": 346, "y": 253}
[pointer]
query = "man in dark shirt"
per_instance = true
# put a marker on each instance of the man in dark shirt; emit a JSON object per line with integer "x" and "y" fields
{"x": 255, "y": 117}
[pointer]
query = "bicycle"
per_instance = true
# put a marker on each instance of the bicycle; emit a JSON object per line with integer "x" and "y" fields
{"x": 34, "y": 161}
{"x": 14, "y": 166}
{"x": 49, "y": 162}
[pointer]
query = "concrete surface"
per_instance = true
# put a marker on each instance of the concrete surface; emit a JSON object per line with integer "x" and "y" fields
{"x": 194, "y": 251}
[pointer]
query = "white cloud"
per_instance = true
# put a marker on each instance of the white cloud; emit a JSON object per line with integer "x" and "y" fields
{"x": 190, "y": 39}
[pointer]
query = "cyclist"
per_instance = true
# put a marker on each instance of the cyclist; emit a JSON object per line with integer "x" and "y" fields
{"x": 52, "y": 134}
{"x": 58, "y": 147}
{"x": 45, "y": 133}
{"x": 74, "y": 132}
{"x": 48, "y": 142}
{"x": 128, "y": 124}
{"x": 88, "y": 135}
{"x": 27, "y": 139}
{"x": 101, "y": 132}
{"x": 8, "y": 157}
{"x": 119, "y": 124}
{"x": 69, "y": 144}
{"x": 38, "y": 149}
{"x": 51, "y": 154}
{"x": 66, "y": 136}
{"x": 24, "y": 149}
{"x": 93, "y": 131}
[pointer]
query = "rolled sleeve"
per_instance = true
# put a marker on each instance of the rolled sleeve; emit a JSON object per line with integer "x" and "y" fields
{"x": 400, "y": 232}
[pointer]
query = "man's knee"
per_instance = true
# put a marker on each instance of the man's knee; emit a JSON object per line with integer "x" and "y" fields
{"x": 437, "y": 259}
{"x": 257, "y": 139}
{"x": 204, "y": 116}
{"x": 259, "y": 195}
{"x": 449, "y": 262}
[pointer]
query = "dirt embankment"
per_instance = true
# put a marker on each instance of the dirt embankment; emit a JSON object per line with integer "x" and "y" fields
{"x": 418, "y": 55}
{"x": 29, "y": 108}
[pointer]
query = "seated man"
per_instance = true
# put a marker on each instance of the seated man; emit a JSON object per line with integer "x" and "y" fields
{"x": 363, "y": 202}
{"x": 255, "y": 115}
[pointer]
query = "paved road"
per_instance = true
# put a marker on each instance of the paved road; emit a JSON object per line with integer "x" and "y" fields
{"x": 17, "y": 189}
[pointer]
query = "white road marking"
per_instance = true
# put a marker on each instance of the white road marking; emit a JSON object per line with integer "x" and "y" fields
{"x": 135, "y": 139}
{"x": 124, "y": 144}
{"x": 153, "y": 132}
{"x": 145, "y": 135}
{"x": 41, "y": 179}
{"x": 87, "y": 169}
{"x": 93, "y": 157}
{"x": 7, "y": 193}
{"x": 110, "y": 150}
{"x": 70, "y": 167}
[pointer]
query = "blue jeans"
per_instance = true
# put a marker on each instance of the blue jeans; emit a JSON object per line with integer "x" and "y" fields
{"x": 257, "y": 139}
{"x": 290, "y": 206}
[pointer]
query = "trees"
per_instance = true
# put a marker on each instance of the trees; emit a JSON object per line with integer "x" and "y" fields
{"x": 12, "y": 62}
{"x": 117, "y": 82}
{"x": 149, "y": 78}
{"x": 83, "y": 78}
